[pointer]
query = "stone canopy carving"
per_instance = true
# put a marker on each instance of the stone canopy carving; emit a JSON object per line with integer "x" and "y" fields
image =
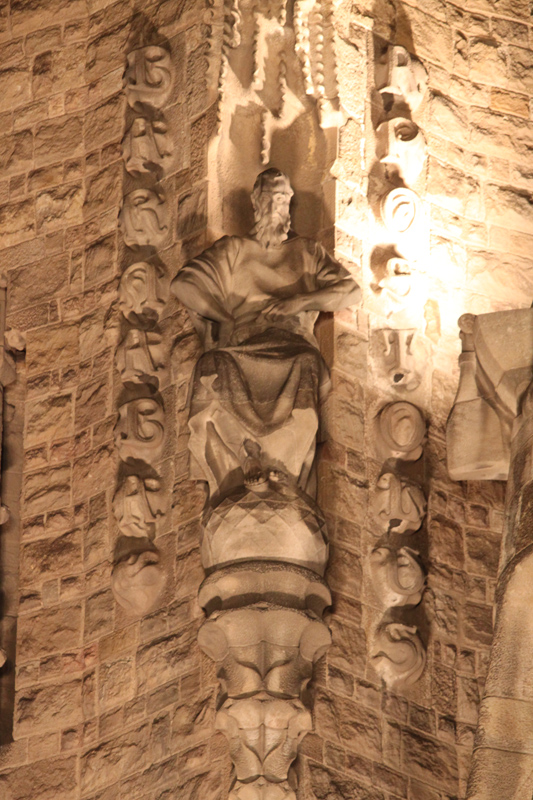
{"x": 254, "y": 419}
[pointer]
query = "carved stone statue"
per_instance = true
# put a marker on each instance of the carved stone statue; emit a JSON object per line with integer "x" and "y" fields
{"x": 254, "y": 421}
{"x": 254, "y": 300}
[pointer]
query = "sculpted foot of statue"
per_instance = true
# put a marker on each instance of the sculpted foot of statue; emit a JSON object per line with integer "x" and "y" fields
{"x": 254, "y": 473}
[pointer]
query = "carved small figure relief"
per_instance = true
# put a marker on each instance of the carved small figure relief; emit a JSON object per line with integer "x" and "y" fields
{"x": 137, "y": 505}
{"x": 398, "y": 73}
{"x": 142, "y": 293}
{"x": 139, "y": 432}
{"x": 401, "y": 147}
{"x": 404, "y": 358}
{"x": 140, "y": 358}
{"x": 398, "y": 655}
{"x": 397, "y": 576}
{"x": 138, "y": 581}
{"x": 399, "y": 506}
{"x": 147, "y": 147}
{"x": 149, "y": 77}
{"x": 401, "y": 431}
{"x": 144, "y": 219}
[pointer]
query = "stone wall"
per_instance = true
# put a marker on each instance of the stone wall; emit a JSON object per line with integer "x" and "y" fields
{"x": 107, "y": 706}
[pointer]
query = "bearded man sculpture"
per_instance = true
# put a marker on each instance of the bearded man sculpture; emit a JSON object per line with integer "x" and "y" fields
{"x": 254, "y": 301}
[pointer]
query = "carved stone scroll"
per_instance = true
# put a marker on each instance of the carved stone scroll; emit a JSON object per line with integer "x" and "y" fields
{"x": 140, "y": 432}
{"x": 144, "y": 219}
{"x": 148, "y": 78}
{"x": 398, "y": 655}
{"x": 397, "y": 576}
{"x": 401, "y": 75}
{"x": 400, "y": 210}
{"x": 401, "y": 431}
{"x": 404, "y": 357}
{"x": 401, "y": 147}
{"x": 137, "y": 582}
{"x": 399, "y": 506}
{"x": 137, "y": 505}
{"x": 254, "y": 420}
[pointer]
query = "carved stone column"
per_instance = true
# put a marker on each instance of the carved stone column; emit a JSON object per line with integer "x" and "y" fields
{"x": 490, "y": 436}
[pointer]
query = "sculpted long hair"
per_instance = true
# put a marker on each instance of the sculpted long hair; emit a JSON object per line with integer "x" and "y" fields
{"x": 269, "y": 229}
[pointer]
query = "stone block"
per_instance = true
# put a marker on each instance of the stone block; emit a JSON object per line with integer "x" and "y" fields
{"x": 47, "y": 558}
{"x": 48, "y": 707}
{"x": 165, "y": 658}
{"x": 48, "y": 779}
{"x": 104, "y": 191}
{"x": 53, "y": 630}
{"x": 15, "y": 87}
{"x": 430, "y": 761}
{"x": 92, "y": 472}
{"x": 17, "y": 222}
{"x": 98, "y": 615}
{"x": 119, "y": 757}
{"x": 482, "y": 552}
{"x": 105, "y": 122}
{"x": 59, "y": 206}
{"x": 47, "y": 489}
{"x": 59, "y": 139}
{"x": 477, "y": 623}
{"x": 49, "y": 419}
{"x": 116, "y": 683}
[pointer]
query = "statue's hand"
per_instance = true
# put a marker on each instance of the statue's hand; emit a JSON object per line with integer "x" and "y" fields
{"x": 287, "y": 307}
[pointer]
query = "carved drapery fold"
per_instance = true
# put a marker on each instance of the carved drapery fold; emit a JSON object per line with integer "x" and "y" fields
{"x": 490, "y": 436}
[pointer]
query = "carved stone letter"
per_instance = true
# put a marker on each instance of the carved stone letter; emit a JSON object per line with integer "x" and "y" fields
{"x": 144, "y": 219}
{"x": 149, "y": 77}
{"x": 139, "y": 433}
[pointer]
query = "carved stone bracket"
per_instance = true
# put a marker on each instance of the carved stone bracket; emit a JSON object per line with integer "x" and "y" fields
{"x": 399, "y": 506}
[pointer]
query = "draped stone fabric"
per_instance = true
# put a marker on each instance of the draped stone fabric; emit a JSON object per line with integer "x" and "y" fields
{"x": 261, "y": 378}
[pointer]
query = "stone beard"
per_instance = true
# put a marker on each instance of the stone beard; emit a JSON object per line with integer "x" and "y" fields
{"x": 254, "y": 300}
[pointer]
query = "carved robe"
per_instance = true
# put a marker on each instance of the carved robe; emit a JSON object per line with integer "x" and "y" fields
{"x": 260, "y": 379}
